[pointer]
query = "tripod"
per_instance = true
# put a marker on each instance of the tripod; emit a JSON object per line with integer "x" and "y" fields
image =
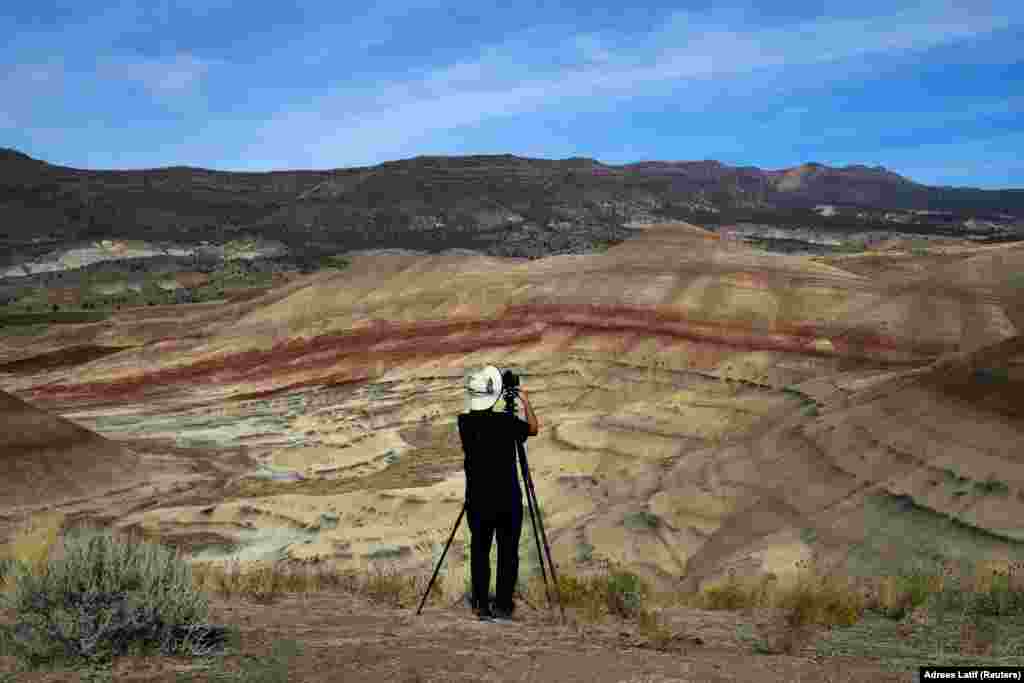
{"x": 536, "y": 522}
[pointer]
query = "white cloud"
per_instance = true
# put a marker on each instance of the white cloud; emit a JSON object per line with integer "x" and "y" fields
{"x": 367, "y": 124}
{"x": 34, "y": 75}
{"x": 182, "y": 74}
{"x": 593, "y": 49}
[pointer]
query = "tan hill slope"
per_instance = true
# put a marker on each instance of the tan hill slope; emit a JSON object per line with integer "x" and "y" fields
{"x": 703, "y": 405}
{"x": 48, "y": 459}
{"x": 941, "y": 444}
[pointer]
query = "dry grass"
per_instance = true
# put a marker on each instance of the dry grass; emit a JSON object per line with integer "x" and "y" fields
{"x": 950, "y": 611}
{"x": 33, "y": 544}
{"x": 651, "y": 627}
{"x": 811, "y": 601}
{"x": 266, "y": 582}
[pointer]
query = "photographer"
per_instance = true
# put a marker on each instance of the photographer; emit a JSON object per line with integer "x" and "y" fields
{"x": 494, "y": 502}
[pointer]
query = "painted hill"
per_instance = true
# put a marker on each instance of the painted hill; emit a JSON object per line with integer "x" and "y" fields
{"x": 48, "y": 459}
{"x": 705, "y": 406}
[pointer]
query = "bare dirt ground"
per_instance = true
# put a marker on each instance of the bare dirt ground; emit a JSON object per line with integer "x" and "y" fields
{"x": 346, "y": 638}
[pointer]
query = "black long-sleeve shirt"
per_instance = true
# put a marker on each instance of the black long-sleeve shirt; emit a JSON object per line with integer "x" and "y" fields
{"x": 488, "y": 442}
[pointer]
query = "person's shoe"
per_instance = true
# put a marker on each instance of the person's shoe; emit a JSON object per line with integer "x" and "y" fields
{"x": 502, "y": 612}
{"x": 484, "y": 614}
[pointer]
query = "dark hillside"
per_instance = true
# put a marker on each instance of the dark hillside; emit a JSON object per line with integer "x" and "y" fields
{"x": 502, "y": 204}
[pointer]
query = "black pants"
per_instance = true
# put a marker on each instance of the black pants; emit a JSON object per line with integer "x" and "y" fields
{"x": 507, "y": 524}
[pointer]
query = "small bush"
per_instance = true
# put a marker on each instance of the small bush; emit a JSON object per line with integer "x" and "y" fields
{"x": 641, "y": 520}
{"x": 953, "y": 479}
{"x": 625, "y": 593}
{"x": 992, "y": 375}
{"x": 730, "y": 595}
{"x": 584, "y": 552}
{"x": 386, "y": 553}
{"x": 33, "y": 543}
{"x": 808, "y": 535}
{"x": 1000, "y": 598}
{"x": 992, "y": 487}
{"x": 106, "y": 598}
{"x": 269, "y": 669}
{"x": 912, "y": 590}
{"x": 576, "y": 592}
{"x": 390, "y": 587}
{"x": 826, "y": 601}
{"x": 852, "y": 247}
{"x": 919, "y": 246}
{"x": 737, "y": 594}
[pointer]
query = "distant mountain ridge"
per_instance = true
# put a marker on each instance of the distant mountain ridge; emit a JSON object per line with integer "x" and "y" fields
{"x": 697, "y": 169}
{"x": 500, "y": 204}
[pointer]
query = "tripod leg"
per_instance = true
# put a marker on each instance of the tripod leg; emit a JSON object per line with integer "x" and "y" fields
{"x": 536, "y": 537}
{"x": 540, "y": 522}
{"x": 439, "y": 562}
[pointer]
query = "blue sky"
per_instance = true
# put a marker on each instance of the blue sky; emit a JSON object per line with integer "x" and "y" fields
{"x": 932, "y": 90}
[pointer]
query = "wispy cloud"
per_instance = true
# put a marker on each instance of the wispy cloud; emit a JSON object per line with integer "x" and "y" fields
{"x": 321, "y": 84}
{"x": 175, "y": 76}
{"x": 518, "y": 76}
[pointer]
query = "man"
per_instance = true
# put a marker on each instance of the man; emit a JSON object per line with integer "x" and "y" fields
{"x": 494, "y": 503}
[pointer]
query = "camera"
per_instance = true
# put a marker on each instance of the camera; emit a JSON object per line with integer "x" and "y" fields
{"x": 510, "y": 383}
{"x": 510, "y": 387}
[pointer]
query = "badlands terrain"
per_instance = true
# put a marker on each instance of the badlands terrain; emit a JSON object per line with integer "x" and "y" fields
{"x": 707, "y": 408}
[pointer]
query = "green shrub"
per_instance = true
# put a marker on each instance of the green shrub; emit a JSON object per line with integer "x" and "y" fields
{"x": 385, "y": 553}
{"x": 574, "y": 591}
{"x": 270, "y": 669}
{"x": 1001, "y": 600}
{"x": 625, "y": 593}
{"x": 584, "y": 552}
{"x": 919, "y": 246}
{"x": 339, "y": 262}
{"x": 808, "y": 535}
{"x": 824, "y": 600}
{"x": 912, "y": 590}
{"x": 641, "y": 520}
{"x": 992, "y": 486}
{"x": 730, "y": 595}
{"x": 107, "y": 598}
{"x": 852, "y": 247}
{"x": 953, "y": 478}
{"x": 24, "y": 330}
{"x": 992, "y": 375}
